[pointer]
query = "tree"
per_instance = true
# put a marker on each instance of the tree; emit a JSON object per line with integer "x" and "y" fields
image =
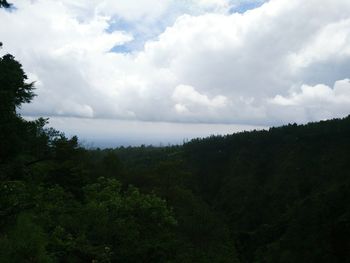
{"x": 136, "y": 227}
{"x": 15, "y": 132}
{"x": 26, "y": 242}
{"x": 14, "y": 90}
{"x": 5, "y": 4}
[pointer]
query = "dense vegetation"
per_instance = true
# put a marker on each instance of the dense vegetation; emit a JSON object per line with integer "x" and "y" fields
{"x": 280, "y": 195}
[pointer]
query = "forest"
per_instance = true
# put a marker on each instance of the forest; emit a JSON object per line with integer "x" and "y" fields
{"x": 279, "y": 195}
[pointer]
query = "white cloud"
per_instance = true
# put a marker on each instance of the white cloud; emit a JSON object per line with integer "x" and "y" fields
{"x": 135, "y": 9}
{"x": 329, "y": 43}
{"x": 187, "y": 95}
{"x": 216, "y": 5}
{"x": 237, "y": 68}
{"x": 316, "y": 102}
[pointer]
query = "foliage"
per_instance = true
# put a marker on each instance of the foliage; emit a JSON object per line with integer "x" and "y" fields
{"x": 4, "y": 3}
{"x": 14, "y": 89}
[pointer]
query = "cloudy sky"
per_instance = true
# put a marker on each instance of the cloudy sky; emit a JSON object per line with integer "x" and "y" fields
{"x": 151, "y": 71}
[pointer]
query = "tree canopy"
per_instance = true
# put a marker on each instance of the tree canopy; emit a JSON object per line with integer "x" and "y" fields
{"x": 14, "y": 89}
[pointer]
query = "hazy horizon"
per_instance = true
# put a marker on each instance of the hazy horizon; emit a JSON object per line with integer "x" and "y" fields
{"x": 109, "y": 133}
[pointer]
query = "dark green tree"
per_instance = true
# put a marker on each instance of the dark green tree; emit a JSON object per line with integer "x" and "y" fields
{"x": 18, "y": 137}
{"x": 14, "y": 89}
{"x": 4, "y": 3}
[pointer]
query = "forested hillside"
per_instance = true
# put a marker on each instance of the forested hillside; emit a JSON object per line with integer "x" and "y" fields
{"x": 279, "y": 195}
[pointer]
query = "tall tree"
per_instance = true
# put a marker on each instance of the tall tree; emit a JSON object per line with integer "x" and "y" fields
{"x": 16, "y": 134}
{"x": 14, "y": 89}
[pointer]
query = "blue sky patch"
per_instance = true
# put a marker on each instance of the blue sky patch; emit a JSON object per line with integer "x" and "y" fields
{"x": 245, "y": 6}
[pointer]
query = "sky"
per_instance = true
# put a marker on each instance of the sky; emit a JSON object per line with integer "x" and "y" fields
{"x": 120, "y": 72}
